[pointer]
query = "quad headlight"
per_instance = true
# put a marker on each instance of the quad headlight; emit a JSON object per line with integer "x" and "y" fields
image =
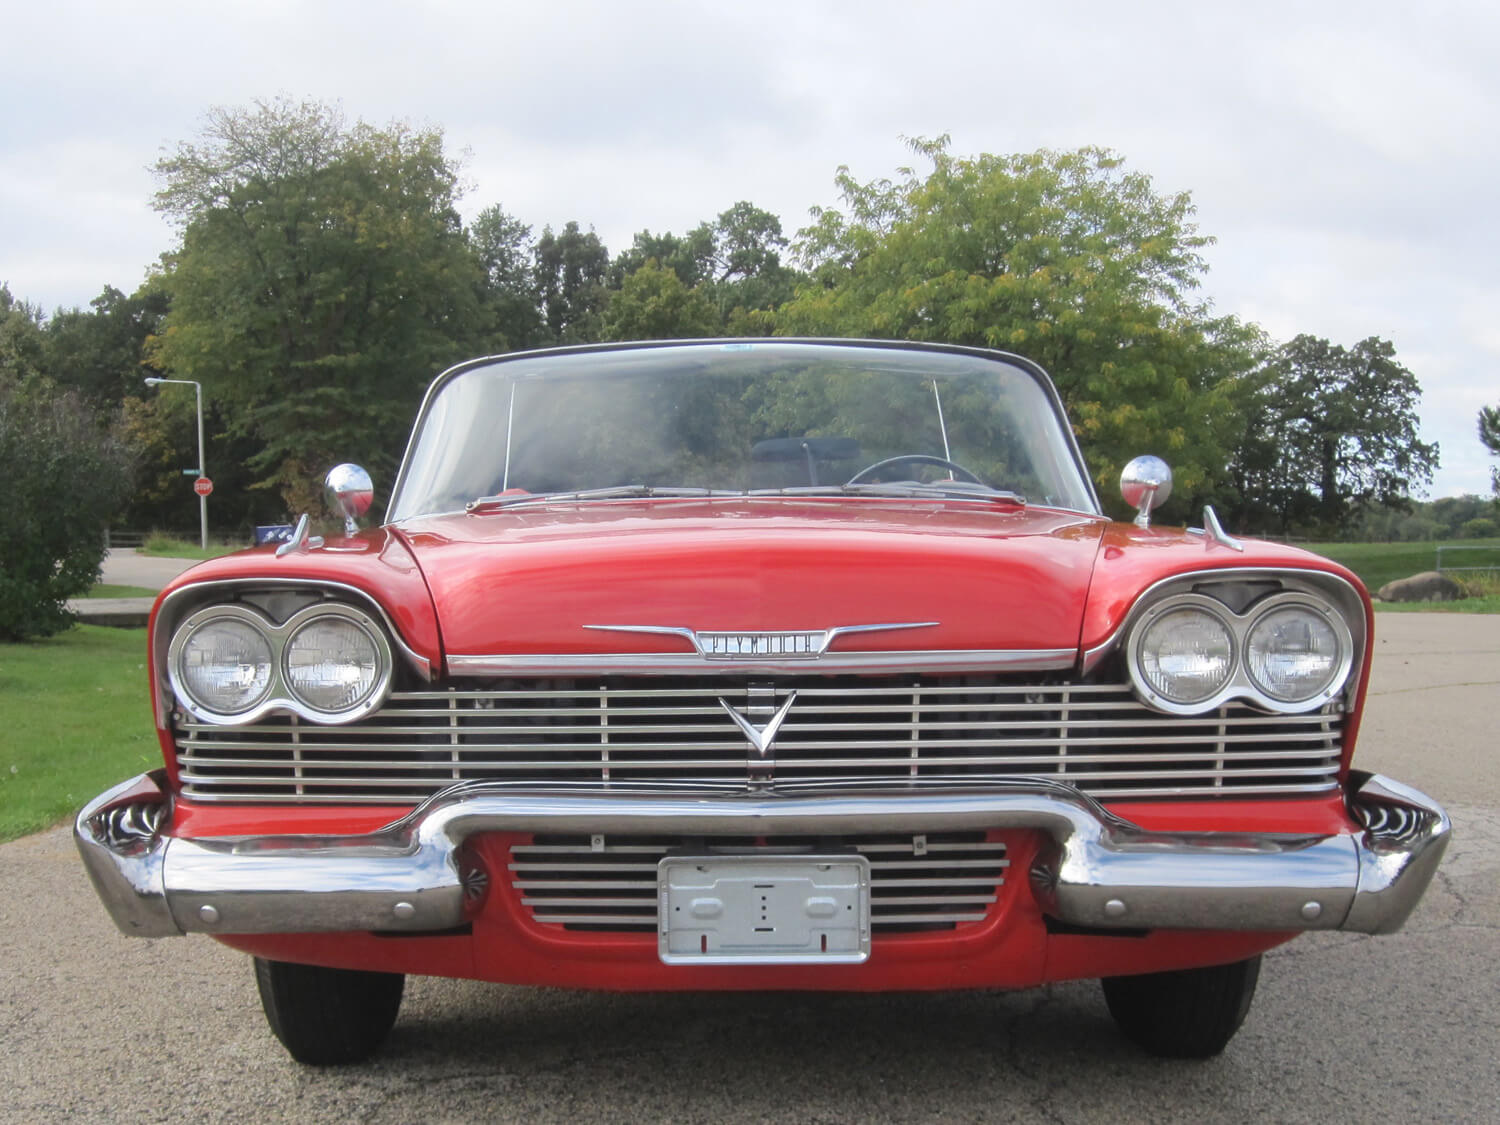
{"x": 332, "y": 663}
{"x": 1189, "y": 653}
{"x": 1293, "y": 653}
{"x": 329, "y": 663}
{"x": 226, "y": 665}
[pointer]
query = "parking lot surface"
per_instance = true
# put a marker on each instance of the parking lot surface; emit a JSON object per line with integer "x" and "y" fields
{"x": 97, "y": 1026}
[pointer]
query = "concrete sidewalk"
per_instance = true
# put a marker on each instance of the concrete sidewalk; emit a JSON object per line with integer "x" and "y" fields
{"x": 127, "y": 568}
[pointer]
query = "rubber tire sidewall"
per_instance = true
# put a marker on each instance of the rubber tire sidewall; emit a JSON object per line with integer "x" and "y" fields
{"x": 1188, "y": 1014}
{"x": 328, "y": 1017}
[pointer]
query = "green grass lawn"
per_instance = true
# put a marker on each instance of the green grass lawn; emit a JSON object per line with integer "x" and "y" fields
{"x": 105, "y": 590}
{"x": 165, "y": 547}
{"x": 1379, "y": 563}
{"x": 76, "y": 717}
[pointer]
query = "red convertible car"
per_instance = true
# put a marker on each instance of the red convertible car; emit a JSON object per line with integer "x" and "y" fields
{"x": 758, "y": 665}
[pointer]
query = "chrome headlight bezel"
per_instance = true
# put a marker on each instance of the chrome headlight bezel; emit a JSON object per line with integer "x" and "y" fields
{"x": 1240, "y": 685}
{"x": 1136, "y": 645}
{"x": 281, "y": 696}
{"x": 1343, "y": 638}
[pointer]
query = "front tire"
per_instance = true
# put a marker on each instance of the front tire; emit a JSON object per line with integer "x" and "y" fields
{"x": 328, "y": 1017}
{"x": 1188, "y": 1014}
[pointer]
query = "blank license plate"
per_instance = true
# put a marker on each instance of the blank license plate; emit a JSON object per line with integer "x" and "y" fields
{"x": 763, "y": 910}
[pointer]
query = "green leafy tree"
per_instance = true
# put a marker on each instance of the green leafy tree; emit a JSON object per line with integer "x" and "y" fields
{"x": 101, "y": 351}
{"x": 689, "y": 256}
{"x": 22, "y": 342}
{"x": 570, "y": 270}
{"x": 733, "y": 262}
{"x": 1489, "y": 436}
{"x": 506, "y": 253}
{"x": 66, "y": 473}
{"x": 1337, "y": 434}
{"x": 1066, "y": 258}
{"x": 323, "y": 277}
{"x": 653, "y": 304}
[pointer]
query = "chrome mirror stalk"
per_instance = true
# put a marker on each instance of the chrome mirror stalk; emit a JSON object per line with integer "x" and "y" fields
{"x": 1145, "y": 484}
{"x": 351, "y": 493}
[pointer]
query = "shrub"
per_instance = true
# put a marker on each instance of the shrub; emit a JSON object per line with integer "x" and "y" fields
{"x": 1481, "y": 527}
{"x": 65, "y": 474}
{"x": 1480, "y": 585}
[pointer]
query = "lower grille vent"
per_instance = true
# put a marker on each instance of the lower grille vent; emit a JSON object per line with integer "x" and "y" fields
{"x": 918, "y": 883}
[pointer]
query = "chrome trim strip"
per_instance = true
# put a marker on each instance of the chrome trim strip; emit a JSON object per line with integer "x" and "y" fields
{"x": 1096, "y": 869}
{"x": 665, "y": 664}
{"x": 739, "y": 645}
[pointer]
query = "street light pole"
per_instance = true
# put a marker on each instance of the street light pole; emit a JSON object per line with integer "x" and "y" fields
{"x": 152, "y": 381}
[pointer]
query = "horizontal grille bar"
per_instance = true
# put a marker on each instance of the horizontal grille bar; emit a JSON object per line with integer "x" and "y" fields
{"x": 839, "y": 732}
{"x": 916, "y": 882}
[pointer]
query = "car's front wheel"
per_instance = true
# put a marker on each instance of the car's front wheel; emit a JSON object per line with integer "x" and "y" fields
{"x": 1188, "y": 1014}
{"x": 328, "y": 1016}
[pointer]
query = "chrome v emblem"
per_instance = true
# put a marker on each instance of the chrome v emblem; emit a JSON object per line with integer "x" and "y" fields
{"x": 762, "y": 737}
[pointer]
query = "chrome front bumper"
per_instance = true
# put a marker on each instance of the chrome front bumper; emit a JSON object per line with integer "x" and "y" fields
{"x": 1096, "y": 870}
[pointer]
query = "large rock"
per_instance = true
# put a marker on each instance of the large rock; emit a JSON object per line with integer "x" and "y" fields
{"x": 1429, "y": 586}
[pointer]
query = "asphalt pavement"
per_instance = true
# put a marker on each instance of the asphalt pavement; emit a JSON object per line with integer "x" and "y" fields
{"x": 96, "y": 1026}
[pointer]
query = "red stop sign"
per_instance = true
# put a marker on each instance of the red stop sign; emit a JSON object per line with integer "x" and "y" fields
{"x": 203, "y": 486}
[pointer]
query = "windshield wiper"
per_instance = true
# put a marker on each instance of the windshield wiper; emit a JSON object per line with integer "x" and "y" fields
{"x": 946, "y": 489}
{"x": 614, "y": 492}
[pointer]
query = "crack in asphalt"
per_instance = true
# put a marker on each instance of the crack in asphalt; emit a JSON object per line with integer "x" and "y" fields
{"x": 1434, "y": 687}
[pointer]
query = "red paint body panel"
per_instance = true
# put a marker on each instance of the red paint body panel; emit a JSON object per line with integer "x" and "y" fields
{"x": 995, "y": 576}
{"x": 1312, "y": 816}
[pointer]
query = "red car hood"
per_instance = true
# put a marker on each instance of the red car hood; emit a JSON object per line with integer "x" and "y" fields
{"x": 529, "y": 580}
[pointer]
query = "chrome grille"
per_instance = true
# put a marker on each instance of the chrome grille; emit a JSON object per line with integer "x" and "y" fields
{"x": 932, "y": 882}
{"x": 841, "y": 732}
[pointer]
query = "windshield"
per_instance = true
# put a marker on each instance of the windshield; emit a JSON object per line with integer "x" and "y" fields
{"x": 739, "y": 417}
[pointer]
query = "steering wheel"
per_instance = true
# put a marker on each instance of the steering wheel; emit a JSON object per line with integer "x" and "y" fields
{"x": 915, "y": 459}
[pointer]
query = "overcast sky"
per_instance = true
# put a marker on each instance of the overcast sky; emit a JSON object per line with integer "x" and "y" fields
{"x": 1343, "y": 154}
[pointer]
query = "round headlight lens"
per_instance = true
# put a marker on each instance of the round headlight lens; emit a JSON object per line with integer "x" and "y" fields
{"x": 1186, "y": 655}
{"x": 332, "y": 664}
{"x": 225, "y": 665}
{"x": 1293, "y": 654}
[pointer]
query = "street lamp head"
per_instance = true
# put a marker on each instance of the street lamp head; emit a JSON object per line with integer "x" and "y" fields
{"x": 152, "y": 381}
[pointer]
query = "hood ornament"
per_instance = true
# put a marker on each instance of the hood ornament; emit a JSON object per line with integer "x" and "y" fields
{"x": 804, "y": 644}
